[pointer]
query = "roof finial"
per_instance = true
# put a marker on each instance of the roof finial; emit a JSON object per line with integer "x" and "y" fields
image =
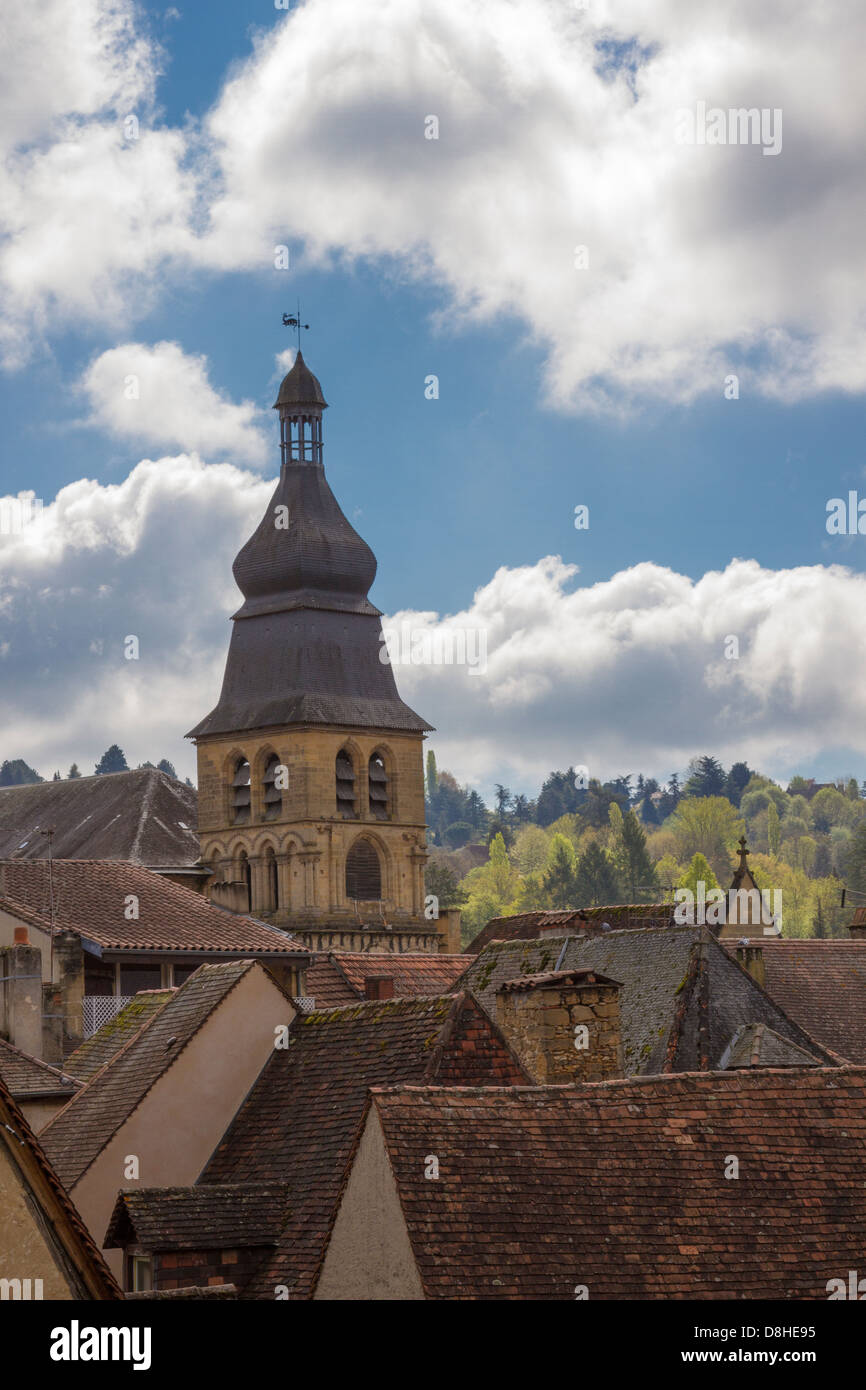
{"x": 743, "y": 851}
{"x": 294, "y": 321}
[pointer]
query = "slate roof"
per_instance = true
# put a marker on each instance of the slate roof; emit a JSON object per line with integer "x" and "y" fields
{"x": 29, "y": 1078}
{"x": 144, "y": 817}
{"x": 822, "y": 985}
{"x": 90, "y": 899}
{"x": 338, "y": 977}
{"x": 528, "y": 926}
{"x": 103, "y": 1045}
{"x": 620, "y": 1186}
{"x": 756, "y": 1045}
{"x": 80, "y": 1131}
{"x": 60, "y": 1221}
{"x": 682, "y": 996}
{"x": 199, "y": 1218}
{"x": 303, "y": 1117}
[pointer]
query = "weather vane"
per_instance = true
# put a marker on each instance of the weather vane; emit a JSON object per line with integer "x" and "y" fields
{"x": 294, "y": 321}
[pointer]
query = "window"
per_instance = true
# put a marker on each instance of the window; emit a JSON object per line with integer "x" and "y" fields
{"x": 241, "y": 793}
{"x": 378, "y": 783}
{"x": 247, "y": 881}
{"x": 346, "y": 804}
{"x": 179, "y": 973}
{"x": 273, "y": 793}
{"x": 140, "y": 1273}
{"x": 363, "y": 875}
{"x": 136, "y": 977}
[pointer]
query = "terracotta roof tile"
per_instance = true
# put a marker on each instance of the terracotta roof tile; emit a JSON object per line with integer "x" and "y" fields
{"x": 206, "y": 1217}
{"x": 339, "y": 977}
{"x": 303, "y": 1116}
{"x": 29, "y": 1077}
{"x": 96, "y": 1051}
{"x": 822, "y": 986}
{"x": 620, "y": 1186}
{"x": 528, "y": 926}
{"x": 90, "y": 899}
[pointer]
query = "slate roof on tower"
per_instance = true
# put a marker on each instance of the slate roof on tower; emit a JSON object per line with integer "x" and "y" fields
{"x": 307, "y": 641}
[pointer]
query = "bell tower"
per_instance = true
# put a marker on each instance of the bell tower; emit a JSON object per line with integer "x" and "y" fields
{"x": 310, "y": 767}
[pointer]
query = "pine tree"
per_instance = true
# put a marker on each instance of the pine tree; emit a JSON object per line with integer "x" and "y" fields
{"x": 73, "y": 772}
{"x": 559, "y": 882}
{"x": 57, "y": 777}
{"x": 595, "y": 884}
{"x": 168, "y": 768}
{"x": 774, "y": 830}
{"x": 638, "y": 870}
{"x": 431, "y": 773}
{"x": 112, "y": 760}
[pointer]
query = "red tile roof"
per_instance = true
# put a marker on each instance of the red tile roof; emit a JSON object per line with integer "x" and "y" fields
{"x": 206, "y": 1217}
{"x": 96, "y": 1051}
{"x": 90, "y": 898}
{"x": 821, "y": 985}
{"x": 29, "y": 1077}
{"x": 620, "y": 1186}
{"x": 339, "y": 977}
{"x": 303, "y": 1117}
{"x": 528, "y": 926}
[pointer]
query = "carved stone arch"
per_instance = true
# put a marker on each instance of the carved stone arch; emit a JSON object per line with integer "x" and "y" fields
{"x": 382, "y": 783}
{"x": 237, "y": 787}
{"x": 349, "y": 780}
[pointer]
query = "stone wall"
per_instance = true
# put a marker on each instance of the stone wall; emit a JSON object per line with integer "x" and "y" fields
{"x": 564, "y": 1026}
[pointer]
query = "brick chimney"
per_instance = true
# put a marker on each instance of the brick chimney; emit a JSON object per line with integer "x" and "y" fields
{"x": 563, "y": 1025}
{"x": 751, "y": 958}
{"x": 379, "y": 987}
{"x": 21, "y": 993}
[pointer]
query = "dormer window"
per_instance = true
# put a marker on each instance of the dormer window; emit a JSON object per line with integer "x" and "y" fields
{"x": 378, "y": 787}
{"x": 273, "y": 792}
{"x": 346, "y": 796}
{"x": 241, "y": 793}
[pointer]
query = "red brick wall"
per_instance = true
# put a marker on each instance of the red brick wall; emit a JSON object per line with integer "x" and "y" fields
{"x": 186, "y": 1268}
{"x": 475, "y": 1056}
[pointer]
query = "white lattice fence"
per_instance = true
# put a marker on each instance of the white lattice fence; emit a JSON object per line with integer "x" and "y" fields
{"x": 102, "y": 1008}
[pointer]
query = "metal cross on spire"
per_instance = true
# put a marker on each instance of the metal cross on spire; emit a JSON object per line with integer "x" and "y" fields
{"x": 294, "y": 321}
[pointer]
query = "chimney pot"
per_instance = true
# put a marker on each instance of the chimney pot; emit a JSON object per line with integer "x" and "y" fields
{"x": 21, "y": 937}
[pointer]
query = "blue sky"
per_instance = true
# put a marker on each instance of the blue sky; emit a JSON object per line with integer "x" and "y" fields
{"x": 547, "y": 399}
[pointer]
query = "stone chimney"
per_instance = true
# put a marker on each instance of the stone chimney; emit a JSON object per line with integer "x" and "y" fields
{"x": 379, "y": 987}
{"x": 21, "y": 993}
{"x": 448, "y": 927}
{"x": 751, "y": 958}
{"x": 563, "y": 1025}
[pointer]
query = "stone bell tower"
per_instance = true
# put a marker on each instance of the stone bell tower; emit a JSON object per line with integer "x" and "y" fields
{"x": 310, "y": 768}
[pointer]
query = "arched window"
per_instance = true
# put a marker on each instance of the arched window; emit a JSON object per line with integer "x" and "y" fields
{"x": 241, "y": 793}
{"x": 378, "y": 784}
{"x": 273, "y": 793}
{"x": 346, "y": 797}
{"x": 363, "y": 874}
{"x": 273, "y": 881}
{"x": 247, "y": 881}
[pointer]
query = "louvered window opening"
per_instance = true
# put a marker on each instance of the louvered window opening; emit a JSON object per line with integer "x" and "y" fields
{"x": 378, "y": 785}
{"x": 345, "y": 787}
{"x": 363, "y": 875}
{"x": 273, "y": 794}
{"x": 241, "y": 794}
{"x": 273, "y": 883}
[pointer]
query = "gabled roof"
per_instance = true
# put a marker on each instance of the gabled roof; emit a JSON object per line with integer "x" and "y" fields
{"x": 90, "y": 898}
{"x": 620, "y": 1186}
{"x": 339, "y": 977}
{"x": 206, "y": 1217}
{"x": 144, "y": 816}
{"x": 682, "y": 996}
{"x": 528, "y": 926}
{"x": 29, "y": 1078}
{"x": 62, "y": 1227}
{"x": 756, "y": 1045}
{"x": 103, "y": 1045}
{"x": 821, "y": 984}
{"x": 303, "y": 1117}
{"x": 77, "y": 1134}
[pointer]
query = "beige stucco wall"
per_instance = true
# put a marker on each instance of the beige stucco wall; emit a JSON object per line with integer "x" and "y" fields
{"x": 24, "y": 1252}
{"x": 183, "y": 1117}
{"x": 38, "y": 1112}
{"x": 369, "y": 1255}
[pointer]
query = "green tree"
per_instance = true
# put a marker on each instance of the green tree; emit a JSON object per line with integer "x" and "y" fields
{"x": 698, "y": 871}
{"x": 442, "y": 883}
{"x": 73, "y": 772}
{"x": 830, "y": 808}
{"x": 112, "y": 760}
{"x": 530, "y": 850}
{"x": 736, "y": 782}
{"x": 559, "y": 881}
{"x": 638, "y": 875}
{"x": 457, "y": 834}
{"x": 774, "y": 829}
{"x": 431, "y": 773}
{"x": 17, "y": 773}
{"x": 855, "y": 876}
{"x": 708, "y": 825}
{"x": 168, "y": 768}
{"x": 595, "y": 884}
{"x": 706, "y": 778}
